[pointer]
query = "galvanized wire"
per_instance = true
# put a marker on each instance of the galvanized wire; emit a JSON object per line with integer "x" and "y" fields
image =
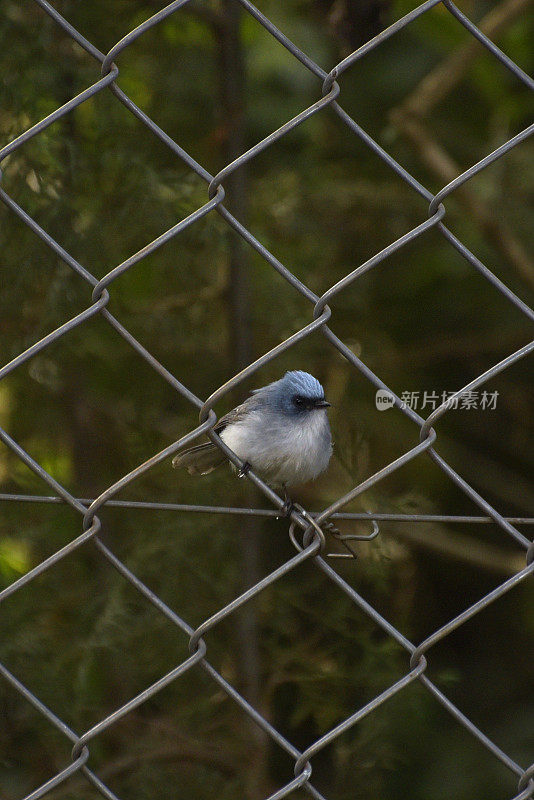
{"x": 311, "y": 548}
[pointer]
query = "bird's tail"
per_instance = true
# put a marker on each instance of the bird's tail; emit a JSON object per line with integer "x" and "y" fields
{"x": 199, "y": 460}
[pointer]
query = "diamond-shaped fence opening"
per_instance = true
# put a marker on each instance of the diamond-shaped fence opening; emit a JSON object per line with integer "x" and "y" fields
{"x": 306, "y": 555}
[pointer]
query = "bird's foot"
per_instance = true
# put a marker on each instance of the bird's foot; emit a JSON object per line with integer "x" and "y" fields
{"x": 288, "y": 507}
{"x": 243, "y": 471}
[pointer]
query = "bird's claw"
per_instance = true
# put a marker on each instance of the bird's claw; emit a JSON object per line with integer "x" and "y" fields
{"x": 288, "y": 507}
{"x": 242, "y": 472}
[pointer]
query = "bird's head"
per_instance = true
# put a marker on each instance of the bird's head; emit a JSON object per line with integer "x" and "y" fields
{"x": 298, "y": 394}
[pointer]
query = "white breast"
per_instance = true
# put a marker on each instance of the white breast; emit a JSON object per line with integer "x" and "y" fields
{"x": 282, "y": 451}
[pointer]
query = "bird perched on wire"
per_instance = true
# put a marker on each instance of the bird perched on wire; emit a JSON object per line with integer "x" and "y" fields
{"x": 281, "y": 432}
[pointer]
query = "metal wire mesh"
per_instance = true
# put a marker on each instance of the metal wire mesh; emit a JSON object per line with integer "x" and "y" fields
{"x": 312, "y": 542}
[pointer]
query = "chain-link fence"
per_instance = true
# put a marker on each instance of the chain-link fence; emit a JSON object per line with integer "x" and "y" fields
{"x": 310, "y": 544}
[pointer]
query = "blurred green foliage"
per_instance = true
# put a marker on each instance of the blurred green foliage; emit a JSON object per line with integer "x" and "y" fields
{"x": 88, "y": 409}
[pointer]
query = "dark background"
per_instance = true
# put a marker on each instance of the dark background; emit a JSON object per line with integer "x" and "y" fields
{"x": 89, "y": 410}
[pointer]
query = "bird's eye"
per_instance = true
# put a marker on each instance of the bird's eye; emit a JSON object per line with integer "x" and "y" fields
{"x": 298, "y": 400}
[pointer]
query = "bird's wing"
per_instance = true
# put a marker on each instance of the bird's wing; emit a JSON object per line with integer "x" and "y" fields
{"x": 204, "y": 458}
{"x": 236, "y": 414}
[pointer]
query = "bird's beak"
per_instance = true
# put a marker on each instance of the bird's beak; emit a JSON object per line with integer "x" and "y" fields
{"x": 322, "y": 404}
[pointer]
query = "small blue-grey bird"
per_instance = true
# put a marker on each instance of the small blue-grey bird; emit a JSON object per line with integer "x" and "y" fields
{"x": 281, "y": 432}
